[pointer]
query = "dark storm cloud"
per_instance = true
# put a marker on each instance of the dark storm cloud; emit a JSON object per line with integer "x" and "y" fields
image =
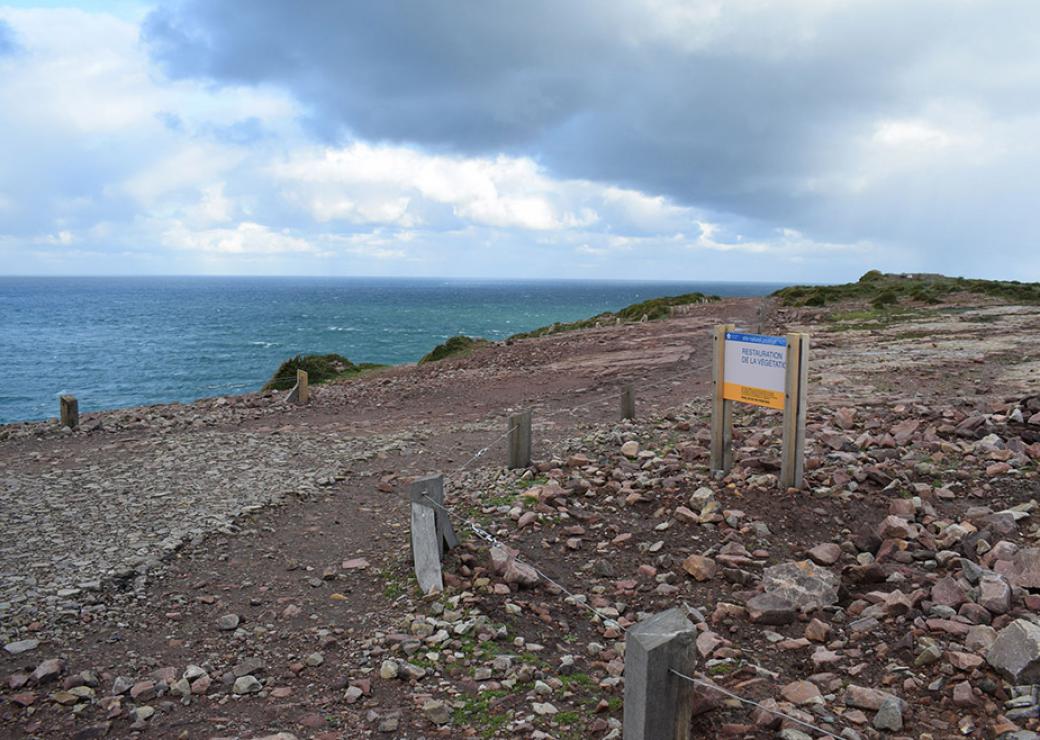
{"x": 599, "y": 89}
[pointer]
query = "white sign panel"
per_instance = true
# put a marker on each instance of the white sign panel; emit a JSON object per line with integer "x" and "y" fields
{"x": 755, "y": 369}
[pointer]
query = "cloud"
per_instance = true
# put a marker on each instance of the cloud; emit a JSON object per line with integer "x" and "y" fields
{"x": 816, "y": 116}
{"x": 245, "y": 238}
{"x": 637, "y": 138}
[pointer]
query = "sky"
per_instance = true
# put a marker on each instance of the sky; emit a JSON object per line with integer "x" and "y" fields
{"x": 748, "y": 140}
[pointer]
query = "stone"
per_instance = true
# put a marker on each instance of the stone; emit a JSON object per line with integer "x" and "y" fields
{"x": 388, "y": 670}
{"x": 889, "y": 715}
{"x": 803, "y": 583}
{"x": 228, "y": 622}
{"x": 685, "y": 515}
{"x": 520, "y": 574}
{"x": 896, "y": 528}
{"x": 543, "y": 708}
{"x": 314, "y": 660}
{"x": 770, "y": 608}
{"x": 701, "y": 497}
{"x": 948, "y": 592}
{"x": 700, "y": 567}
{"x": 1025, "y": 568}
{"x": 801, "y": 692}
{"x": 817, "y": 630}
{"x": 826, "y": 553}
{"x": 1015, "y": 654}
{"x": 437, "y": 712}
{"x": 708, "y": 642}
{"x": 980, "y": 638}
{"x": 121, "y": 685}
{"x": 963, "y": 695}
{"x": 143, "y": 691}
{"x": 630, "y": 448}
{"x": 247, "y": 685}
{"x": 964, "y": 661}
{"x": 47, "y": 671}
{"x": 21, "y": 646}
{"x": 181, "y": 688}
{"x": 862, "y": 697}
{"x": 994, "y": 594}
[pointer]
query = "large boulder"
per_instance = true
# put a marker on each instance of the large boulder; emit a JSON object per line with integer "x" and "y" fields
{"x": 803, "y": 583}
{"x": 1015, "y": 654}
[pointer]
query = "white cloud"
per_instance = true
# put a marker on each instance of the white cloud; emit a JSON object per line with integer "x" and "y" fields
{"x": 505, "y": 192}
{"x": 246, "y": 238}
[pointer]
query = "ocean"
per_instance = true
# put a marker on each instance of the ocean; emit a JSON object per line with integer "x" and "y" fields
{"x": 131, "y": 341}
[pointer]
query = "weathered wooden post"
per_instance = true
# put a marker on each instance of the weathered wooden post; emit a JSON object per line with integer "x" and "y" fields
{"x": 796, "y": 382}
{"x": 658, "y": 703}
{"x": 520, "y": 440}
{"x": 721, "y": 409}
{"x": 431, "y": 531}
{"x": 69, "y": 411}
{"x": 628, "y": 401}
{"x": 301, "y": 392}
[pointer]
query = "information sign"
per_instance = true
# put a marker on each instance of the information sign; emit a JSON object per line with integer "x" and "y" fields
{"x": 755, "y": 369}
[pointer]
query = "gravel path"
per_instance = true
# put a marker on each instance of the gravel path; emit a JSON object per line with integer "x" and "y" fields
{"x": 83, "y": 524}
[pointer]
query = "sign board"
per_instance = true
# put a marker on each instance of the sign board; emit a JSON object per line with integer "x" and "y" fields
{"x": 755, "y": 369}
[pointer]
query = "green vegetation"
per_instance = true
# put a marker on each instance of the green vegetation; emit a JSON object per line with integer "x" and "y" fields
{"x": 478, "y": 712}
{"x": 319, "y": 369}
{"x": 655, "y": 308}
{"x": 883, "y": 291}
{"x": 458, "y": 346}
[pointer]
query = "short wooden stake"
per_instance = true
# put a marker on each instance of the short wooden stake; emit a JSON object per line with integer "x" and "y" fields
{"x": 69, "y": 411}
{"x": 721, "y": 409}
{"x": 792, "y": 464}
{"x": 301, "y": 392}
{"x": 658, "y": 703}
{"x": 520, "y": 440}
{"x": 628, "y": 401}
{"x": 431, "y": 531}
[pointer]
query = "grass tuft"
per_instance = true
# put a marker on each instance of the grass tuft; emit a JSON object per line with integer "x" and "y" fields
{"x": 457, "y": 346}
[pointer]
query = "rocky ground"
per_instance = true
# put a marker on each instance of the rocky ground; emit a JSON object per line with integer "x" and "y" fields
{"x": 240, "y": 568}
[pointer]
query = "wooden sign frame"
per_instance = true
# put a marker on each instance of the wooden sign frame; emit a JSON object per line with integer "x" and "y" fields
{"x": 796, "y": 382}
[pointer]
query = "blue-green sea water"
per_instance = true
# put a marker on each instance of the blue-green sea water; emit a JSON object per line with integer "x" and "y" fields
{"x": 116, "y": 342}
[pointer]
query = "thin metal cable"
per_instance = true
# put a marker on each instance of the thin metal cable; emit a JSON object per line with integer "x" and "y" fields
{"x": 483, "y": 450}
{"x": 483, "y": 534}
{"x": 707, "y": 685}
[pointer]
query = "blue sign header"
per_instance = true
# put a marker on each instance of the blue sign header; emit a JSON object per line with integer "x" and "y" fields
{"x": 733, "y": 336}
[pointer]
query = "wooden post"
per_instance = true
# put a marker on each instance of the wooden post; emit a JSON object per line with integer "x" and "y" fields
{"x": 721, "y": 410}
{"x": 792, "y": 465}
{"x": 658, "y": 703}
{"x": 520, "y": 440}
{"x": 431, "y": 532}
{"x": 628, "y": 401}
{"x": 69, "y": 411}
{"x": 305, "y": 390}
{"x": 429, "y": 488}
